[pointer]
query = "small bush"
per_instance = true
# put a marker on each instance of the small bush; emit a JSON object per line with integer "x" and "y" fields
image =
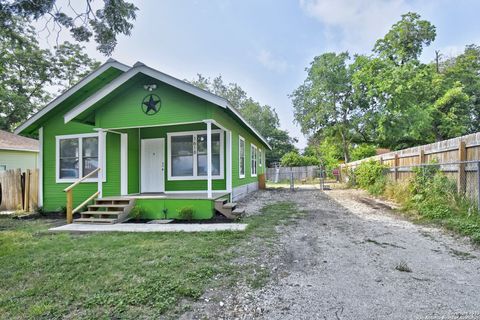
{"x": 186, "y": 213}
{"x": 370, "y": 175}
{"x": 136, "y": 212}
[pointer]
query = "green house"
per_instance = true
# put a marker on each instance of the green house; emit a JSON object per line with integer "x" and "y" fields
{"x": 135, "y": 136}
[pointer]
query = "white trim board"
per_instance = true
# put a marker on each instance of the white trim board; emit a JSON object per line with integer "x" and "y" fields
{"x": 252, "y": 154}
{"x": 195, "y": 175}
{"x": 78, "y": 136}
{"x": 40, "y": 167}
{"x": 179, "y": 84}
{"x": 110, "y": 63}
{"x": 240, "y": 175}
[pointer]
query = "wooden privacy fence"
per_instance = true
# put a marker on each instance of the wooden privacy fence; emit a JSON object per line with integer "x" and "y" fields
{"x": 19, "y": 190}
{"x": 458, "y": 158}
{"x": 460, "y": 149}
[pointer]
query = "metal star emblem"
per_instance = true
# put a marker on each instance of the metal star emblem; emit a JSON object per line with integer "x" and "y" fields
{"x": 151, "y": 104}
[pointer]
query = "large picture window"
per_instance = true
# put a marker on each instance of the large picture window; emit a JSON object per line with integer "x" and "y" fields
{"x": 187, "y": 155}
{"x": 77, "y": 156}
{"x": 253, "y": 160}
{"x": 241, "y": 155}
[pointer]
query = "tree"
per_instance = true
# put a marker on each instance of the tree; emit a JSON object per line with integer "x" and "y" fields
{"x": 406, "y": 39}
{"x": 28, "y": 73}
{"x": 465, "y": 69}
{"x": 325, "y": 101}
{"x": 263, "y": 118}
{"x": 75, "y": 64}
{"x": 294, "y": 159}
{"x": 103, "y": 25}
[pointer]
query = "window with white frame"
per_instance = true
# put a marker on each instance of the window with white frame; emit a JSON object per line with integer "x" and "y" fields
{"x": 260, "y": 157}
{"x": 253, "y": 160}
{"x": 187, "y": 155}
{"x": 241, "y": 157}
{"x": 76, "y": 156}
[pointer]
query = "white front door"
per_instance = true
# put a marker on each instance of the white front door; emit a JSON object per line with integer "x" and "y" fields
{"x": 152, "y": 165}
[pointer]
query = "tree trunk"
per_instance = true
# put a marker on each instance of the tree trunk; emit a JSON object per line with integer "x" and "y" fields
{"x": 346, "y": 152}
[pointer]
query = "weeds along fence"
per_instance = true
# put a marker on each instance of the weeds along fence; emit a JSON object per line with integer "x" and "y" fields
{"x": 19, "y": 190}
{"x": 457, "y": 158}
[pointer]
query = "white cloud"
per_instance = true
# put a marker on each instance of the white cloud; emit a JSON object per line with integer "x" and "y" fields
{"x": 355, "y": 25}
{"x": 267, "y": 59}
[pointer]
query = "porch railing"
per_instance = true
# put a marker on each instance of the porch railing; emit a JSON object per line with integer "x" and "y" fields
{"x": 69, "y": 191}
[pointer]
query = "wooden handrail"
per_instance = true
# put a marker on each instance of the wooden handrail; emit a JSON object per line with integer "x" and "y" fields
{"x": 69, "y": 191}
{"x": 80, "y": 206}
{"x": 81, "y": 179}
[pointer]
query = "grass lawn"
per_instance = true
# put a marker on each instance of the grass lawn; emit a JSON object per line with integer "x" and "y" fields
{"x": 124, "y": 275}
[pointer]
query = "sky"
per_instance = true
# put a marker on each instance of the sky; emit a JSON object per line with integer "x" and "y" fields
{"x": 265, "y": 45}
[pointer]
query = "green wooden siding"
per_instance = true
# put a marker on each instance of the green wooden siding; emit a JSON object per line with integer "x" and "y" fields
{"x": 186, "y": 185}
{"x": 133, "y": 160}
{"x": 238, "y": 130}
{"x": 123, "y": 107}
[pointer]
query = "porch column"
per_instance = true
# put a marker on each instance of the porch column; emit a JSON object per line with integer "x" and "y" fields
{"x": 209, "y": 158}
{"x": 123, "y": 164}
{"x": 101, "y": 160}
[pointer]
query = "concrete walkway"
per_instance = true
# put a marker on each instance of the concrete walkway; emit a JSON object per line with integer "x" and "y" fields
{"x": 138, "y": 227}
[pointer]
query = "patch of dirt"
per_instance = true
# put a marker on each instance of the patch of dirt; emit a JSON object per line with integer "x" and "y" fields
{"x": 351, "y": 257}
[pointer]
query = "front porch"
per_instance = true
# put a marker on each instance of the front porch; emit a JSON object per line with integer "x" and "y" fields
{"x": 160, "y": 172}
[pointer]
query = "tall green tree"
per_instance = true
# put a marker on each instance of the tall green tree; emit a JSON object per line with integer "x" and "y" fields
{"x": 263, "y": 118}
{"x": 29, "y": 75}
{"x": 406, "y": 39}
{"x": 326, "y": 101}
{"x": 83, "y": 22}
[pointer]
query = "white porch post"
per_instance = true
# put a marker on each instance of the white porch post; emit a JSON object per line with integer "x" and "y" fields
{"x": 101, "y": 160}
{"x": 123, "y": 164}
{"x": 40, "y": 167}
{"x": 209, "y": 159}
{"x": 228, "y": 171}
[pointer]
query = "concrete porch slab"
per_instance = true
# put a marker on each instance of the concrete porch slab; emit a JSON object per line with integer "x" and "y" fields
{"x": 137, "y": 227}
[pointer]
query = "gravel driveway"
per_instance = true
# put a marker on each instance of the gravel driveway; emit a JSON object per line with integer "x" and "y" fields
{"x": 349, "y": 257}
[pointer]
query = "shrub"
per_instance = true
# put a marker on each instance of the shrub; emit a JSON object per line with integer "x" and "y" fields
{"x": 293, "y": 159}
{"x": 136, "y": 212}
{"x": 370, "y": 175}
{"x": 186, "y": 213}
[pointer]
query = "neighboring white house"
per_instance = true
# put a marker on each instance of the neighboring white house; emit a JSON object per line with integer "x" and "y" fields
{"x": 17, "y": 152}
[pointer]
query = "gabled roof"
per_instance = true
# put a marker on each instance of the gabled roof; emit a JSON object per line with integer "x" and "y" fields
{"x": 128, "y": 73}
{"x": 177, "y": 83}
{"x": 10, "y": 141}
{"x": 82, "y": 83}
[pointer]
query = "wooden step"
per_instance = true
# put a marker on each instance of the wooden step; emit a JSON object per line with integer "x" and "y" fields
{"x": 96, "y": 220}
{"x": 238, "y": 211}
{"x": 112, "y": 201}
{"x": 108, "y": 206}
{"x": 102, "y": 212}
{"x": 229, "y": 205}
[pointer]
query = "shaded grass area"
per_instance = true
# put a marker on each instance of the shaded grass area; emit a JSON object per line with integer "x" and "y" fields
{"x": 125, "y": 275}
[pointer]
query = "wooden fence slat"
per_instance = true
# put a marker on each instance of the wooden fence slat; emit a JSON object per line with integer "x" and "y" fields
{"x": 14, "y": 196}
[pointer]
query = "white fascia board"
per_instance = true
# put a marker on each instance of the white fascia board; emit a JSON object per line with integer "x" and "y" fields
{"x": 174, "y": 82}
{"x": 110, "y": 63}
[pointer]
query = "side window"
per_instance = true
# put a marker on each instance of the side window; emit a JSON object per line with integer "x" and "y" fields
{"x": 241, "y": 155}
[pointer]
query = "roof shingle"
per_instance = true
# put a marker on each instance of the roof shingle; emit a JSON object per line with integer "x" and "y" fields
{"x": 12, "y": 141}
